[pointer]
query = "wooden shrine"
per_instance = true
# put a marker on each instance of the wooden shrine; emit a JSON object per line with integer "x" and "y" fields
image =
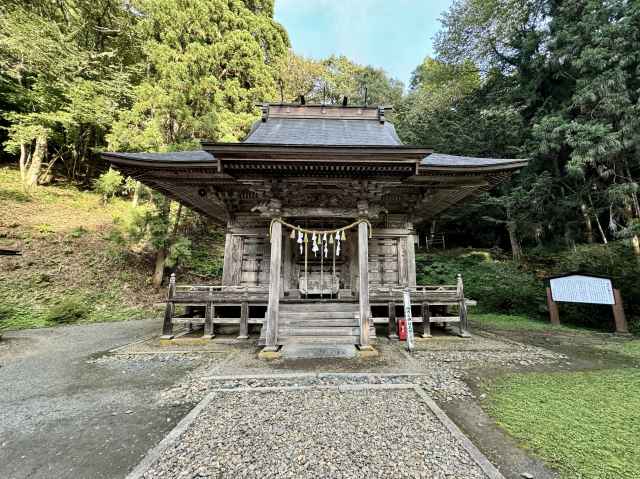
{"x": 320, "y": 204}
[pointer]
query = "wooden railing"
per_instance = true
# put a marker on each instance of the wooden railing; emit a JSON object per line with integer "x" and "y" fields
{"x": 438, "y": 299}
{"x": 211, "y": 297}
{"x": 436, "y": 303}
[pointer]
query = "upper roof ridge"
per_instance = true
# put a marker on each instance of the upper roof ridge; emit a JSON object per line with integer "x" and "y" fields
{"x": 329, "y": 112}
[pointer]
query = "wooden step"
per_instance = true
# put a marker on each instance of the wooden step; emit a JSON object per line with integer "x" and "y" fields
{"x": 320, "y": 323}
{"x": 291, "y": 307}
{"x": 302, "y": 315}
{"x": 338, "y": 331}
{"x": 318, "y": 340}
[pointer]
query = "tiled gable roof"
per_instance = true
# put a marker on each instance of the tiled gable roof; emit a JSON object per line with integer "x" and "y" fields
{"x": 320, "y": 131}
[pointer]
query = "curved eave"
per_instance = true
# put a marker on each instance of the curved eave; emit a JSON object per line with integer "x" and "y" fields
{"x": 180, "y": 159}
{"x": 281, "y": 151}
{"x": 499, "y": 166}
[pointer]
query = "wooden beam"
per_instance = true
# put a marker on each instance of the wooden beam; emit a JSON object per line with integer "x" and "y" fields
{"x": 554, "y": 315}
{"x": 363, "y": 264}
{"x": 411, "y": 260}
{"x": 426, "y": 323}
{"x": 244, "y": 321}
{"x": 393, "y": 327}
{"x": 274, "y": 287}
{"x": 208, "y": 321}
{"x": 618, "y": 313}
{"x": 167, "y": 326}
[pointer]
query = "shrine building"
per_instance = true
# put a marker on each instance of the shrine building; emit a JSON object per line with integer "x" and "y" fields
{"x": 320, "y": 205}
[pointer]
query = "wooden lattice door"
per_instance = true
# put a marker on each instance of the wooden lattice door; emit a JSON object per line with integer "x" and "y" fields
{"x": 383, "y": 262}
{"x": 255, "y": 262}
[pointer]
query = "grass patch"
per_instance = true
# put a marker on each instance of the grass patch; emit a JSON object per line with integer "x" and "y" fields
{"x": 583, "y": 424}
{"x": 512, "y": 322}
{"x": 628, "y": 348}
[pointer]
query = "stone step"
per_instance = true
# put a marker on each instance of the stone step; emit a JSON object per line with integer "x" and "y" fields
{"x": 321, "y": 351}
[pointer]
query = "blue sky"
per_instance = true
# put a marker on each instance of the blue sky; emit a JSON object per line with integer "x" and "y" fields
{"x": 392, "y": 34}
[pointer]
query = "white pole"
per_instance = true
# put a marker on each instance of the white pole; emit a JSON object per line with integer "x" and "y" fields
{"x": 408, "y": 318}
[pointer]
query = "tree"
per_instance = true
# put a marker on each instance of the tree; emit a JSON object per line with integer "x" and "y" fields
{"x": 300, "y": 76}
{"x": 63, "y": 94}
{"x": 556, "y": 82}
{"x": 207, "y": 64}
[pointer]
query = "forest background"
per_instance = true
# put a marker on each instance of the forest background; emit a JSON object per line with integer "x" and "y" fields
{"x": 557, "y": 82}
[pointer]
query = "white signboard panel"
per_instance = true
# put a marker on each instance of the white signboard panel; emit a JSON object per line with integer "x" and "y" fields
{"x": 582, "y": 289}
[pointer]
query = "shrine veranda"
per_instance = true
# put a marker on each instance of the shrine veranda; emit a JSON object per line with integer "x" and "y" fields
{"x": 320, "y": 206}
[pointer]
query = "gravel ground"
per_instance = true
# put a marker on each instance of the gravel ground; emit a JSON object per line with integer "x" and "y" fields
{"x": 439, "y": 367}
{"x": 268, "y": 434}
{"x": 74, "y": 410}
{"x": 65, "y": 415}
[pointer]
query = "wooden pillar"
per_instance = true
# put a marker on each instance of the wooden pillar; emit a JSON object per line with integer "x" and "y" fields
{"x": 618, "y": 313}
{"x": 287, "y": 267}
{"x": 167, "y": 326}
{"x": 426, "y": 321}
{"x": 244, "y": 321}
{"x": 554, "y": 315}
{"x": 208, "y": 321}
{"x": 363, "y": 282}
{"x": 274, "y": 287}
{"x": 393, "y": 326}
{"x": 232, "y": 266}
{"x": 411, "y": 260}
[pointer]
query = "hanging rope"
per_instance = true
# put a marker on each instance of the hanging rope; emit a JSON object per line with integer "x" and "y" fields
{"x": 321, "y": 232}
{"x": 321, "y": 239}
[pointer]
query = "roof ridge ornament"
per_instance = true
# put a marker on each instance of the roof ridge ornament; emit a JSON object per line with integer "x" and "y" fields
{"x": 381, "y": 114}
{"x": 265, "y": 112}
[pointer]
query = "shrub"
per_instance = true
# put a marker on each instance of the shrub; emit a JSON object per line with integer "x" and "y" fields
{"x": 205, "y": 261}
{"x": 69, "y": 310}
{"x": 498, "y": 286}
{"x": 108, "y": 184}
{"x": 78, "y": 232}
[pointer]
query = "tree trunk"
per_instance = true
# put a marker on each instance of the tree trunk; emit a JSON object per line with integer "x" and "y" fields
{"x": 158, "y": 273}
{"x": 25, "y": 154}
{"x": 604, "y": 236}
{"x": 136, "y": 194}
{"x": 176, "y": 222}
{"x": 635, "y": 241}
{"x": 516, "y": 249}
{"x": 587, "y": 223}
{"x": 33, "y": 173}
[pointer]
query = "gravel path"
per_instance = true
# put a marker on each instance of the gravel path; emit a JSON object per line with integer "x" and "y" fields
{"x": 316, "y": 433}
{"x": 439, "y": 366}
{"x": 65, "y": 415}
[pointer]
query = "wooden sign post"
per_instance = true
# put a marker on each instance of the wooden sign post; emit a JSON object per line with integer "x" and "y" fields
{"x": 585, "y": 288}
{"x": 408, "y": 318}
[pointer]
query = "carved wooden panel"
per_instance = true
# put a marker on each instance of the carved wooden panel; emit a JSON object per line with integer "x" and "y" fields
{"x": 384, "y": 261}
{"x": 255, "y": 261}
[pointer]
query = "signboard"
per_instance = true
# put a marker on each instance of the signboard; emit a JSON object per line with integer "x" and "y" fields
{"x": 408, "y": 318}
{"x": 582, "y": 289}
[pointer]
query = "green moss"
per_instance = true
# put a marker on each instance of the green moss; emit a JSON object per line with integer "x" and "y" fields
{"x": 583, "y": 424}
